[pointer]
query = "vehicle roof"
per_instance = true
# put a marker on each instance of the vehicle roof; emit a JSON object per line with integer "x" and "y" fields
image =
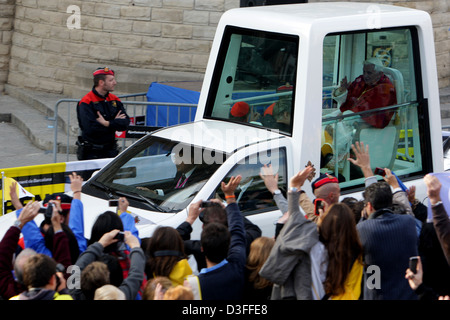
{"x": 218, "y": 135}
{"x": 330, "y": 15}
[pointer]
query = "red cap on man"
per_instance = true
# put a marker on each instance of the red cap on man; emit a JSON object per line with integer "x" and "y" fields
{"x": 240, "y": 109}
{"x": 104, "y": 70}
{"x": 323, "y": 179}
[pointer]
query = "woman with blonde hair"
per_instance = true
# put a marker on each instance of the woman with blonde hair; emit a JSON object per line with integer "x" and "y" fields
{"x": 109, "y": 292}
{"x": 257, "y": 287}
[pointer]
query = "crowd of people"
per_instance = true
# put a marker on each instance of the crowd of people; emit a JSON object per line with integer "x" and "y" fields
{"x": 329, "y": 248}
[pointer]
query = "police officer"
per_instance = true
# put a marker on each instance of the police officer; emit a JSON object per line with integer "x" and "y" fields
{"x": 100, "y": 114}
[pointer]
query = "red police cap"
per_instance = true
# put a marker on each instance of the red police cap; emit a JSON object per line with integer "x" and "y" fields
{"x": 104, "y": 70}
{"x": 240, "y": 109}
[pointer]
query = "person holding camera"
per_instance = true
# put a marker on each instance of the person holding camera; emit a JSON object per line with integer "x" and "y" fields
{"x": 97, "y": 271}
{"x": 41, "y": 238}
{"x": 305, "y": 262}
{"x": 76, "y": 221}
{"x": 44, "y": 280}
{"x": 212, "y": 210}
{"x": 225, "y": 252}
{"x": 11, "y": 276}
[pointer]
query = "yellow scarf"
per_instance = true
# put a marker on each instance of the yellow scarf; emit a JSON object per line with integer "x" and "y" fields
{"x": 352, "y": 283}
{"x": 180, "y": 272}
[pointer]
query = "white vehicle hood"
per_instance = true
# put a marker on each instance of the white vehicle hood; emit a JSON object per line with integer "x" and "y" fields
{"x": 219, "y": 135}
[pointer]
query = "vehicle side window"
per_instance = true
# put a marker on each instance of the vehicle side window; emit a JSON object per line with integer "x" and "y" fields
{"x": 370, "y": 96}
{"x": 252, "y": 194}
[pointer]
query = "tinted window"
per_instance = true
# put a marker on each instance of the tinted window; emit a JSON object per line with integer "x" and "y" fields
{"x": 254, "y": 79}
{"x": 370, "y": 95}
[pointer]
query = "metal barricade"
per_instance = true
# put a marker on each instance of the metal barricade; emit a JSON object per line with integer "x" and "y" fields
{"x": 133, "y": 107}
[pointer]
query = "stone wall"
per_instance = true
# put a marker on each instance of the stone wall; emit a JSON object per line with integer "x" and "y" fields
{"x": 42, "y": 48}
{"x": 148, "y": 40}
{"x": 6, "y": 31}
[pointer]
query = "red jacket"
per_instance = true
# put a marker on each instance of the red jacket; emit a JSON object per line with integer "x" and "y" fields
{"x": 9, "y": 287}
{"x": 361, "y": 97}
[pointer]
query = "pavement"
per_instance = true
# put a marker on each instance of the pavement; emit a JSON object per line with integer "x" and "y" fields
{"x": 27, "y": 134}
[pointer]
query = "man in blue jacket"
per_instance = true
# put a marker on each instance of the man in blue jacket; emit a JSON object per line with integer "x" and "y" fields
{"x": 389, "y": 240}
{"x": 225, "y": 252}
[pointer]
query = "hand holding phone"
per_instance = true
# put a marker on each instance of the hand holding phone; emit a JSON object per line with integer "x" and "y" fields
{"x": 380, "y": 171}
{"x": 113, "y": 202}
{"x": 206, "y": 204}
{"x": 318, "y": 205}
{"x": 413, "y": 264}
{"x": 120, "y": 236}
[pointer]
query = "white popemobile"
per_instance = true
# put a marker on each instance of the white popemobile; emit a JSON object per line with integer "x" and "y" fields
{"x": 285, "y": 62}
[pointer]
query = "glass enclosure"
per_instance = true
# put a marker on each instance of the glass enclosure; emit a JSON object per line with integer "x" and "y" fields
{"x": 370, "y": 95}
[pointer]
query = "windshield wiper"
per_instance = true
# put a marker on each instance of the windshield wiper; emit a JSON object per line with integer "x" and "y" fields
{"x": 141, "y": 197}
{"x": 110, "y": 193}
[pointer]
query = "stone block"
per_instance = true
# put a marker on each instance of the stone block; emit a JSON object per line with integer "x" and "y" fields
{"x": 52, "y": 45}
{"x": 4, "y": 49}
{"x": 188, "y": 4}
{"x": 50, "y": 85}
{"x": 195, "y": 17}
{"x": 200, "y": 61}
{"x": 91, "y": 23}
{"x": 103, "y": 53}
{"x": 135, "y": 13}
{"x": 6, "y": 23}
{"x": 32, "y": 14}
{"x": 172, "y": 59}
{"x": 209, "y": 5}
{"x": 29, "y": 3}
{"x": 19, "y": 52}
{"x": 107, "y": 10}
{"x": 194, "y": 46}
{"x": 97, "y": 37}
{"x": 126, "y": 40}
{"x": 177, "y": 31}
{"x": 147, "y": 28}
{"x": 203, "y": 32}
{"x": 117, "y": 25}
{"x": 163, "y": 44}
{"x": 41, "y": 30}
{"x": 135, "y": 57}
{"x": 76, "y": 49}
{"x": 167, "y": 15}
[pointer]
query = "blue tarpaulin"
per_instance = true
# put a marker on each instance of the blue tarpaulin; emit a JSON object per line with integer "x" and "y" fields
{"x": 162, "y": 116}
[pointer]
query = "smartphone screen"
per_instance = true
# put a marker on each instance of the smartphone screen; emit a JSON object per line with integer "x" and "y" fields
{"x": 113, "y": 203}
{"x": 413, "y": 264}
{"x": 318, "y": 204}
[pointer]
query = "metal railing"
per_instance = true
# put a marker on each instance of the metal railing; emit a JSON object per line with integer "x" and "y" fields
{"x": 134, "y": 108}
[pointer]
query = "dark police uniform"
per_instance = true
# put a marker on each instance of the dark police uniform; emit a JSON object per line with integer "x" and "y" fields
{"x": 97, "y": 141}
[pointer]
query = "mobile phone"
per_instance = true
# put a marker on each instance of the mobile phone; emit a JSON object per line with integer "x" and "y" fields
{"x": 380, "y": 171}
{"x": 206, "y": 204}
{"x": 318, "y": 204}
{"x": 120, "y": 236}
{"x": 113, "y": 202}
{"x": 413, "y": 264}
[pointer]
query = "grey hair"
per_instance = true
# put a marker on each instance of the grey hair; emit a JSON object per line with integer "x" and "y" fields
{"x": 20, "y": 260}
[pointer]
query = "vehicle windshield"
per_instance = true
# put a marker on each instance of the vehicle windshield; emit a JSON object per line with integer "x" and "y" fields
{"x": 157, "y": 174}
